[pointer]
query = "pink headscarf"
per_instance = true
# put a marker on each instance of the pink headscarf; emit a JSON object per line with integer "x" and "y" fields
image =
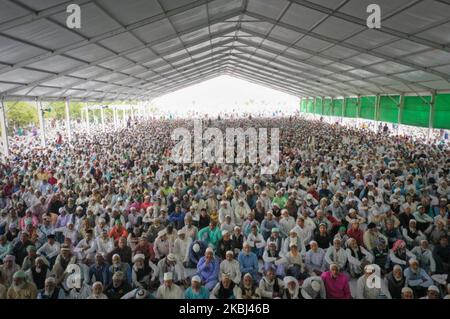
{"x": 398, "y": 244}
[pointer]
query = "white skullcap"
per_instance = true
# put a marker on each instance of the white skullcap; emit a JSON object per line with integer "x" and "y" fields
{"x": 209, "y": 250}
{"x": 196, "y": 279}
{"x": 138, "y": 256}
{"x": 168, "y": 276}
{"x": 196, "y": 247}
{"x": 433, "y": 288}
{"x": 406, "y": 289}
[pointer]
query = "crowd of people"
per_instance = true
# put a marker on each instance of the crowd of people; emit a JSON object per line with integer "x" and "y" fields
{"x": 349, "y": 214}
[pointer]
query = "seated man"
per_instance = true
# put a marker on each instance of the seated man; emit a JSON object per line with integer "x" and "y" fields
{"x": 417, "y": 278}
{"x": 315, "y": 259}
{"x": 231, "y": 267}
{"x": 225, "y": 289}
{"x": 248, "y": 261}
{"x": 210, "y": 234}
{"x": 196, "y": 251}
{"x": 118, "y": 286}
{"x": 169, "y": 290}
{"x": 270, "y": 286}
{"x": 196, "y": 290}
{"x": 336, "y": 283}
{"x": 172, "y": 265}
{"x": 208, "y": 269}
{"x": 21, "y": 288}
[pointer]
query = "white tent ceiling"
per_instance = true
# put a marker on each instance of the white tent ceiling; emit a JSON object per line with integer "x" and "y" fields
{"x": 141, "y": 49}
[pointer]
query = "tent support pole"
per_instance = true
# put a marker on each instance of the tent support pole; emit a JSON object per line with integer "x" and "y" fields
{"x": 4, "y": 128}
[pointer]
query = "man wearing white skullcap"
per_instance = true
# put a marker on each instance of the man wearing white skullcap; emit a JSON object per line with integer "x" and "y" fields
{"x": 407, "y": 293}
{"x": 432, "y": 293}
{"x": 51, "y": 291}
{"x": 336, "y": 254}
{"x": 208, "y": 269}
{"x": 181, "y": 247}
{"x": 196, "y": 290}
{"x": 231, "y": 267}
{"x": 417, "y": 278}
{"x": 97, "y": 291}
{"x": 169, "y": 290}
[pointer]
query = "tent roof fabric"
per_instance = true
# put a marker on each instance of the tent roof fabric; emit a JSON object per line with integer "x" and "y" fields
{"x": 142, "y": 49}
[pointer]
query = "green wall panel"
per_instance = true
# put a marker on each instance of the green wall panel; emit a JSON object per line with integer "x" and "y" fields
{"x": 389, "y": 109}
{"x": 442, "y": 111}
{"x": 416, "y": 111}
{"x": 318, "y": 109}
{"x": 310, "y": 106}
{"x": 327, "y": 109}
{"x": 368, "y": 107}
{"x": 337, "y": 110}
{"x": 351, "y": 109}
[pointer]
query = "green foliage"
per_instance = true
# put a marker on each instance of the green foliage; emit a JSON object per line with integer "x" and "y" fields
{"x": 20, "y": 114}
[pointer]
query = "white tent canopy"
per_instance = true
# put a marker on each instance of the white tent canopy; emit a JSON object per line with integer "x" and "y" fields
{"x": 142, "y": 49}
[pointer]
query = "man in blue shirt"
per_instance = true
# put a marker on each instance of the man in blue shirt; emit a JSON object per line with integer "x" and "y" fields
{"x": 417, "y": 278}
{"x": 248, "y": 261}
{"x": 177, "y": 217}
{"x": 208, "y": 269}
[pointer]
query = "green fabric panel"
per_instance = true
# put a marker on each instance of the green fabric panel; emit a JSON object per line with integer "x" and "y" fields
{"x": 303, "y": 106}
{"x": 310, "y": 106}
{"x": 351, "y": 109}
{"x": 368, "y": 107}
{"x": 318, "y": 109}
{"x": 327, "y": 107}
{"x": 442, "y": 111}
{"x": 416, "y": 111}
{"x": 389, "y": 109}
{"x": 337, "y": 111}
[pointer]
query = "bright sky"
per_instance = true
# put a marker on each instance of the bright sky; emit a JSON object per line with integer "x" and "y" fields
{"x": 226, "y": 94}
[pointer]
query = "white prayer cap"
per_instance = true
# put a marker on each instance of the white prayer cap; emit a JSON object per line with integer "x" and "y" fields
{"x": 162, "y": 233}
{"x": 196, "y": 279}
{"x": 406, "y": 289}
{"x": 196, "y": 247}
{"x": 433, "y": 288}
{"x": 138, "y": 256}
{"x": 209, "y": 250}
{"x": 168, "y": 276}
